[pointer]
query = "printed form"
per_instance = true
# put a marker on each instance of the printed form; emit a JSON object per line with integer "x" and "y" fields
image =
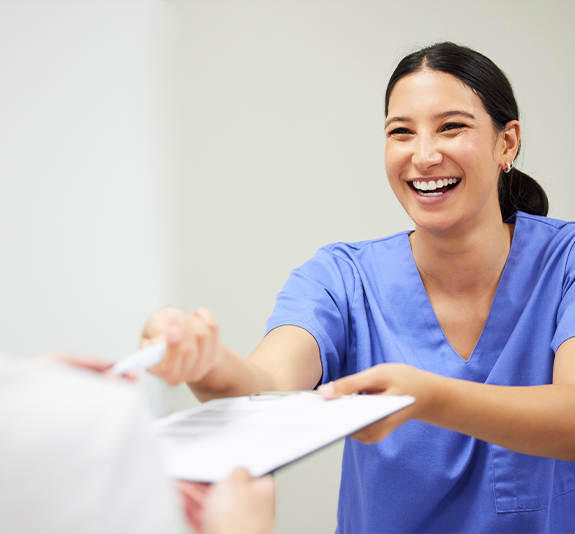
{"x": 262, "y": 433}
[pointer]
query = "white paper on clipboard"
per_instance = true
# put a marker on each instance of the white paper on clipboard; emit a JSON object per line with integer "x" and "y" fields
{"x": 262, "y": 434}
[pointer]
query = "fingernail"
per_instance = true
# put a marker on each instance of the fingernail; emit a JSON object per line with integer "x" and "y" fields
{"x": 327, "y": 390}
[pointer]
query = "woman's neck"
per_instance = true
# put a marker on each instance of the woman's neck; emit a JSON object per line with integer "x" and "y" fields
{"x": 462, "y": 262}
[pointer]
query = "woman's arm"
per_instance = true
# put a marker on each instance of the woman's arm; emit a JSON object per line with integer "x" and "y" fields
{"x": 536, "y": 420}
{"x": 286, "y": 359}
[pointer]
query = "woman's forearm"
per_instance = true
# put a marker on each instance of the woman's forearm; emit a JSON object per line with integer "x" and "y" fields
{"x": 233, "y": 376}
{"x": 537, "y": 420}
{"x": 286, "y": 359}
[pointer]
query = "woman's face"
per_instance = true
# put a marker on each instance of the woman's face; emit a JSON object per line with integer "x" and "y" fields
{"x": 442, "y": 153}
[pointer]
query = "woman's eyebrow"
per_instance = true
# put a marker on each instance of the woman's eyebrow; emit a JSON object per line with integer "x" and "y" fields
{"x": 397, "y": 119}
{"x": 446, "y": 114}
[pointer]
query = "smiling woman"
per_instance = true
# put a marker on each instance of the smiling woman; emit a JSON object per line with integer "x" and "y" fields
{"x": 439, "y": 130}
{"x": 472, "y": 313}
{"x": 478, "y": 74}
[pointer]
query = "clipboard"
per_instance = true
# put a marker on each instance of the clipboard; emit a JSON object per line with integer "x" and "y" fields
{"x": 262, "y": 433}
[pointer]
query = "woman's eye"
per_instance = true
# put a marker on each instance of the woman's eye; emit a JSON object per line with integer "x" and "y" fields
{"x": 453, "y": 126}
{"x": 399, "y": 131}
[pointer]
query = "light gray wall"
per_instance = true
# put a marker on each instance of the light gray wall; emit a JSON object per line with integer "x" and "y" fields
{"x": 80, "y": 223}
{"x": 281, "y": 147}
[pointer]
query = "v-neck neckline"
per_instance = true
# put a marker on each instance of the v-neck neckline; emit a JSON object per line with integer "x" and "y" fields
{"x": 426, "y": 307}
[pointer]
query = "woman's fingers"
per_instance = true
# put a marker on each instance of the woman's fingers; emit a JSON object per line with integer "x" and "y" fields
{"x": 167, "y": 326}
{"x": 370, "y": 381}
{"x": 207, "y": 340}
{"x": 156, "y": 327}
{"x": 192, "y": 344}
{"x": 385, "y": 379}
{"x": 207, "y": 333}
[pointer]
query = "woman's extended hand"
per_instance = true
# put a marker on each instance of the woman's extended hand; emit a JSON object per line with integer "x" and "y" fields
{"x": 193, "y": 344}
{"x": 388, "y": 379}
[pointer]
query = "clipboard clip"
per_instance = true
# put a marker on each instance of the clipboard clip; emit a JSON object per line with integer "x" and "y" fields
{"x": 271, "y": 395}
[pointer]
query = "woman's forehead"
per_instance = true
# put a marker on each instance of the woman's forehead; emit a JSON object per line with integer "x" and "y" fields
{"x": 428, "y": 91}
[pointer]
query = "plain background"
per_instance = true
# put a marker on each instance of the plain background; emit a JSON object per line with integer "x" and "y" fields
{"x": 194, "y": 152}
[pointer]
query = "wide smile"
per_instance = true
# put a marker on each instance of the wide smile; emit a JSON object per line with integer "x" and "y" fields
{"x": 433, "y": 188}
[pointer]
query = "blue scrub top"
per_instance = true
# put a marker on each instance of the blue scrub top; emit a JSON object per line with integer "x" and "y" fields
{"x": 365, "y": 304}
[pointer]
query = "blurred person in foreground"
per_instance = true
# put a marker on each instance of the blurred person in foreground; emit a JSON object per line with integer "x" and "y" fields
{"x": 77, "y": 456}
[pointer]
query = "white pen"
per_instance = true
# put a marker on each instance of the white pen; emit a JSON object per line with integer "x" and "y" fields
{"x": 141, "y": 359}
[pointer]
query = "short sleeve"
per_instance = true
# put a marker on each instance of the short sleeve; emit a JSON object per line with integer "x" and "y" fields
{"x": 317, "y": 297}
{"x": 566, "y": 310}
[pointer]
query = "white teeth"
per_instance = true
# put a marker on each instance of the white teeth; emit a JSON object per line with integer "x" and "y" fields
{"x": 432, "y": 185}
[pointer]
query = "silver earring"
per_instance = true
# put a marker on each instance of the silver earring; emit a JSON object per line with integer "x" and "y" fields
{"x": 509, "y": 167}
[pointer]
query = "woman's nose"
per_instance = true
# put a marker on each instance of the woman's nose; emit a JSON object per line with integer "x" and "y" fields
{"x": 426, "y": 154}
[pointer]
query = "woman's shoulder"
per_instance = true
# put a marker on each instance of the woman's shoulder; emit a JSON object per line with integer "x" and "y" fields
{"x": 345, "y": 248}
{"x": 538, "y": 220}
{"x": 544, "y": 238}
{"x": 351, "y": 259}
{"x": 541, "y": 228}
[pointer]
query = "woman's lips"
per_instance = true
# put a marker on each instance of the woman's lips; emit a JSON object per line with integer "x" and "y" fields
{"x": 434, "y": 187}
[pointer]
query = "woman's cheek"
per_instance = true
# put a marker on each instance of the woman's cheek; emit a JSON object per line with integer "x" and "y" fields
{"x": 466, "y": 150}
{"x": 397, "y": 158}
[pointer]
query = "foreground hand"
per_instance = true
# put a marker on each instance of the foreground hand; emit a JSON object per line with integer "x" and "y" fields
{"x": 388, "y": 379}
{"x": 193, "y": 496}
{"x": 90, "y": 363}
{"x": 193, "y": 344}
{"x": 240, "y": 504}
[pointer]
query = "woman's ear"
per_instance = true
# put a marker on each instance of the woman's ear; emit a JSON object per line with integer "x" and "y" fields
{"x": 510, "y": 144}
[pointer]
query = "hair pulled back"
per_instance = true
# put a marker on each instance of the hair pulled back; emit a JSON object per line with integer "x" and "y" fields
{"x": 517, "y": 190}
